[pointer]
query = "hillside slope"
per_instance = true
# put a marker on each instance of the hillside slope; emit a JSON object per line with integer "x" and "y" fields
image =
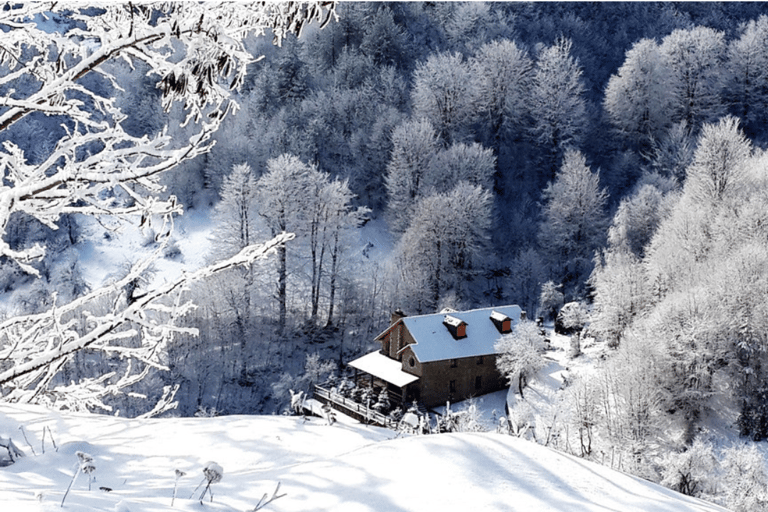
{"x": 344, "y": 467}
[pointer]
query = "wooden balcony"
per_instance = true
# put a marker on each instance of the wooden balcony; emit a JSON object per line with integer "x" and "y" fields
{"x": 351, "y": 408}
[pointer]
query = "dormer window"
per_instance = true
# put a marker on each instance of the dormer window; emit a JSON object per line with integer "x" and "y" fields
{"x": 456, "y": 326}
{"x": 502, "y": 322}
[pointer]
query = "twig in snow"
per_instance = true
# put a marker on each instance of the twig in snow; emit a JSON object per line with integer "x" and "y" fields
{"x": 179, "y": 474}
{"x": 50, "y": 434}
{"x": 84, "y": 464}
{"x": 262, "y": 503}
{"x": 196, "y": 488}
{"x": 21, "y": 427}
{"x": 74, "y": 477}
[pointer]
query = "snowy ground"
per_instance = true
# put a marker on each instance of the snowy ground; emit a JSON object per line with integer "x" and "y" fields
{"x": 344, "y": 467}
{"x": 107, "y": 254}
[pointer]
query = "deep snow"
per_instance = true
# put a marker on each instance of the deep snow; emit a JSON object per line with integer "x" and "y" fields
{"x": 344, "y": 467}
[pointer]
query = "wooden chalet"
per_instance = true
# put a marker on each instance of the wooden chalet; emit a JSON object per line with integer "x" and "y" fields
{"x": 437, "y": 358}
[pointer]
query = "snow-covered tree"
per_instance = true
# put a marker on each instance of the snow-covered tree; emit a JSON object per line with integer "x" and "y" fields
{"x": 574, "y": 221}
{"x": 636, "y": 100}
{"x": 285, "y": 196}
{"x": 690, "y": 471}
{"x": 744, "y": 480}
{"x": 717, "y": 170}
{"x": 694, "y": 61}
{"x": 443, "y": 245}
{"x": 235, "y": 218}
{"x": 414, "y": 144}
{"x": 639, "y": 215}
{"x": 503, "y": 74}
{"x": 459, "y": 162}
{"x": 521, "y": 354}
{"x": 574, "y": 316}
{"x": 443, "y": 92}
{"x": 236, "y": 212}
{"x": 331, "y": 216}
{"x": 383, "y": 40}
{"x": 526, "y": 274}
{"x": 294, "y": 196}
{"x": 550, "y": 300}
{"x": 747, "y": 78}
{"x": 630, "y": 394}
{"x": 620, "y": 294}
{"x": 556, "y": 103}
{"x": 672, "y": 153}
{"x": 196, "y": 55}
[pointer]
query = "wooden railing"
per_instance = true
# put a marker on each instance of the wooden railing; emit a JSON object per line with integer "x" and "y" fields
{"x": 351, "y": 408}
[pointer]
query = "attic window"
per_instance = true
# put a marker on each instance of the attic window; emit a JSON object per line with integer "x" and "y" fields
{"x": 456, "y": 326}
{"x": 502, "y": 322}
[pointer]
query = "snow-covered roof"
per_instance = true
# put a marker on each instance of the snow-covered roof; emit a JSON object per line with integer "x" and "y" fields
{"x": 452, "y": 320}
{"x": 434, "y": 341}
{"x": 384, "y": 368}
{"x": 499, "y": 316}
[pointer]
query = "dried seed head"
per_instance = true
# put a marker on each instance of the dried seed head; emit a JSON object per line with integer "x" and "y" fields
{"x": 213, "y": 472}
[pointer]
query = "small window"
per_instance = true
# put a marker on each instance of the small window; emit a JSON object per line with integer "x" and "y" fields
{"x": 478, "y": 382}
{"x": 412, "y": 362}
{"x": 452, "y": 386}
{"x": 480, "y": 360}
{"x": 454, "y": 363}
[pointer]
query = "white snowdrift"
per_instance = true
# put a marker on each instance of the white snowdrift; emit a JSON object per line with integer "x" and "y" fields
{"x": 344, "y": 467}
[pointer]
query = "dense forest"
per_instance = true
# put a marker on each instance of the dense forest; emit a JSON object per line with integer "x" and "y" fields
{"x": 456, "y": 155}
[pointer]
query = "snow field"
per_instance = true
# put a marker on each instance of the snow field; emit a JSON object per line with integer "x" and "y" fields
{"x": 344, "y": 467}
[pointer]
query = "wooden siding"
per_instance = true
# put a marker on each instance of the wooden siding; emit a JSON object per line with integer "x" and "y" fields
{"x": 434, "y": 386}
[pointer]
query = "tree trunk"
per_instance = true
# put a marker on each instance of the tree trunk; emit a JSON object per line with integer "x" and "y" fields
{"x": 244, "y": 321}
{"x": 315, "y": 288}
{"x": 334, "y": 259}
{"x": 436, "y": 288}
{"x": 281, "y": 285}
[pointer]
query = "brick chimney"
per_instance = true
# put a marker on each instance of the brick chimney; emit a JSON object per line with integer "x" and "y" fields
{"x": 396, "y": 315}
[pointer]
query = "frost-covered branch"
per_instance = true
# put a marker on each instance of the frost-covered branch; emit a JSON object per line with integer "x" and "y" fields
{"x": 194, "y": 50}
{"x": 69, "y": 73}
{"x": 33, "y": 348}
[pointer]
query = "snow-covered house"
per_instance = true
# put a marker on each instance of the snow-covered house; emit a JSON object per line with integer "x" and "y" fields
{"x": 440, "y": 357}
